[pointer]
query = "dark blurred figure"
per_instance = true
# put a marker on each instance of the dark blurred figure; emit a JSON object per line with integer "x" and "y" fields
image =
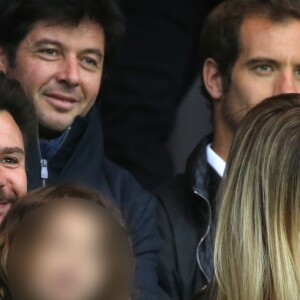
{"x": 65, "y": 243}
{"x": 156, "y": 65}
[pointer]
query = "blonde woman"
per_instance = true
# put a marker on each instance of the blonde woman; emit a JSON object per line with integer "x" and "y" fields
{"x": 257, "y": 237}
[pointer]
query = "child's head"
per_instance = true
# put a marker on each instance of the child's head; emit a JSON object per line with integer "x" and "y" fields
{"x": 65, "y": 243}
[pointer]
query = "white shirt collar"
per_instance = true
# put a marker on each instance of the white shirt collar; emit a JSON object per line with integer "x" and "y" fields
{"x": 215, "y": 161}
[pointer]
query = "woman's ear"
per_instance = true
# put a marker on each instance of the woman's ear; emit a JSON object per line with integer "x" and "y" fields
{"x": 3, "y": 61}
{"x": 212, "y": 79}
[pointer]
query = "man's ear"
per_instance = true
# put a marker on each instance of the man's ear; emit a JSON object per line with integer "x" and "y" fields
{"x": 212, "y": 79}
{"x": 3, "y": 61}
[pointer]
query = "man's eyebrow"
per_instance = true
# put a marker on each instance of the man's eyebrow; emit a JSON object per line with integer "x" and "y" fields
{"x": 48, "y": 42}
{"x": 12, "y": 150}
{"x": 261, "y": 60}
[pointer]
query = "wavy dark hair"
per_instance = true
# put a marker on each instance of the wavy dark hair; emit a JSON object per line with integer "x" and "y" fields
{"x": 17, "y": 18}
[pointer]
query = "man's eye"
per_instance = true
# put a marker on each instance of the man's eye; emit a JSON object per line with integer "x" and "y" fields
{"x": 263, "y": 69}
{"x": 10, "y": 161}
{"x": 298, "y": 73}
{"x": 49, "y": 52}
{"x": 90, "y": 62}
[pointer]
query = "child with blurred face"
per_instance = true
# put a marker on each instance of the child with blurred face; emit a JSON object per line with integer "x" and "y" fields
{"x": 65, "y": 243}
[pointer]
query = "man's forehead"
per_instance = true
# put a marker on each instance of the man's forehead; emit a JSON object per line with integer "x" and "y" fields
{"x": 10, "y": 133}
{"x": 265, "y": 24}
{"x": 86, "y": 30}
{"x": 262, "y": 36}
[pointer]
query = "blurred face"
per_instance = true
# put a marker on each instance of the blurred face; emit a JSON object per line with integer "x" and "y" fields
{"x": 60, "y": 68}
{"x": 62, "y": 254}
{"x": 268, "y": 65}
{"x": 13, "y": 183}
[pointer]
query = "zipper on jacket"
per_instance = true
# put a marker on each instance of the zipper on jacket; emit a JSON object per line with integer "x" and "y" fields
{"x": 204, "y": 236}
{"x": 44, "y": 171}
{"x": 44, "y": 162}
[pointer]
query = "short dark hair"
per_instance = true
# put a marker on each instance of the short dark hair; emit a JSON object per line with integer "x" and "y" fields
{"x": 220, "y": 39}
{"x": 17, "y": 17}
{"x": 14, "y": 101}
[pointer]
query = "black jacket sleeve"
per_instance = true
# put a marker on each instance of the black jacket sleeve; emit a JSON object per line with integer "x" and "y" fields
{"x": 169, "y": 279}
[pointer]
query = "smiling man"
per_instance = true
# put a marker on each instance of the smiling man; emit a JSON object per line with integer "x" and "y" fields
{"x": 60, "y": 67}
{"x": 57, "y": 50}
{"x": 16, "y": 125}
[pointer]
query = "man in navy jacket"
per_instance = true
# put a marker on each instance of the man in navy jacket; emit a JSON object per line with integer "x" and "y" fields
{"x": 57, "y": 50}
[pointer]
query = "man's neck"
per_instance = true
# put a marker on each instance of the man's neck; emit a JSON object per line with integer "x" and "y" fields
{"x": 48, "y": 134}
{"x": 222, "y": 143}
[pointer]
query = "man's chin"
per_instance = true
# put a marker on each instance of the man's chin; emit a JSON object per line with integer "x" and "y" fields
{"x": 4, "y": 208}
{"x": 51, "y": 127}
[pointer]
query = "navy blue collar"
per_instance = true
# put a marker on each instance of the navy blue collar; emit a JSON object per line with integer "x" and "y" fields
{"x": 49, "y": 148}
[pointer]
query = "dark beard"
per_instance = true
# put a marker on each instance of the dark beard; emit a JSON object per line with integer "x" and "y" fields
{"x": 7, "y": 199}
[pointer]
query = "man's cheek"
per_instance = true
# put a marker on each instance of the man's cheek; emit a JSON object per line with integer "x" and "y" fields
{"x": 31, "y": 75}
{"x": 19, "y": 182}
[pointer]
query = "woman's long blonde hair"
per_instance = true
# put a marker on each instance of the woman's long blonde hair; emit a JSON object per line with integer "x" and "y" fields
{"x": 257, "y": 237}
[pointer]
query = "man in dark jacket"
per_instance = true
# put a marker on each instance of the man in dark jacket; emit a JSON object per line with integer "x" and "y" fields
{"x": 250, "y": 52}
{"x": 57, "y": 50}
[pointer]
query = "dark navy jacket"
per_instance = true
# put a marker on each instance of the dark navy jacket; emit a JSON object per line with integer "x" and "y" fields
{"x": 186, "y": 217}
{"x": 81, "y": 160}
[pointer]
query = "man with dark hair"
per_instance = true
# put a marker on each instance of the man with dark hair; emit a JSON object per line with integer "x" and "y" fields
{"x": 249, "y": 52}
{"x": 57, "y": 50}
{"x": 16, "y": 126}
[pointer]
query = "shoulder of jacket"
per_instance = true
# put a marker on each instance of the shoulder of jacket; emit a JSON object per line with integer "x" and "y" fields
{"x": 122, "y": 184}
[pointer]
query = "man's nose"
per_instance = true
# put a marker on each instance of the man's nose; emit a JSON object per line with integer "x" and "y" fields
{"x": 69, "y": 72}
{"x": 285, "y": 84}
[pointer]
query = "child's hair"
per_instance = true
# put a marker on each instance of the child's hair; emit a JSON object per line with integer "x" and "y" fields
{"x": 40, "y": 198}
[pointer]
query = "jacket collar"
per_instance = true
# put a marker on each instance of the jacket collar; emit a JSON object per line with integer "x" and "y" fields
{"x": 85, "y": 132}
{"x": 79, "y": 159}
{"x": 204, "y": 181}
{"x": 197, "y": 168}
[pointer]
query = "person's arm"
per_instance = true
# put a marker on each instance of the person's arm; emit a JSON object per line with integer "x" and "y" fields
{"x": 139, "y": 210}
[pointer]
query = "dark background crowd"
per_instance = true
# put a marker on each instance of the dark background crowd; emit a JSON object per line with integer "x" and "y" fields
{"x": 158, "y": 62}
